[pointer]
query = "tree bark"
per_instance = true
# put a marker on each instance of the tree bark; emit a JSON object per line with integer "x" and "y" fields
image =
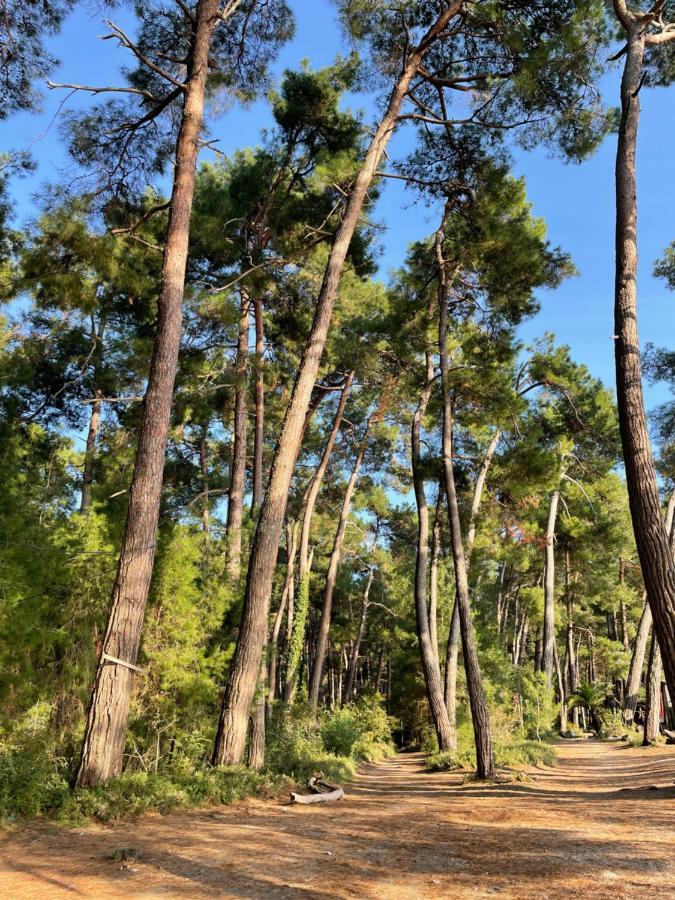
{"x": 636, "y": 663}
{"x": 452, "y": 650}
{"x": 95, "y": 417}
{"x": 548, "y": 645}
{"x": 356, "y": 649}
{"x": 291, "y": 547}
{"x": 259, "y": 427}
{"x": 331, "y": 575}
{"x": 433, "y": 574}
{"x": 480, "y": 716}
{"x": 90, "y": 453}
{"x": 570, "y": 650}
{"x": 653, "y": 694}
{"x": 651, "y": 537}
{"x": 308, "y": 513}
{"x": 624, "y": 615}
{"x": 379, "y": 671}
{"x": 429, "y": 657}
{"x": 204, "y": 469}
{"x": 450, "y": 682}
{"x": 235, "y": 505}
{"x": 105, "y": 732}
{"x": 317, "y": 478}
{"x": 256, "y": 746}
{"x": 240, "y": 688}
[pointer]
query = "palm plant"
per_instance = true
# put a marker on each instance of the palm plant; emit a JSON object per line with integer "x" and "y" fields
{"x": 592, "y": 697}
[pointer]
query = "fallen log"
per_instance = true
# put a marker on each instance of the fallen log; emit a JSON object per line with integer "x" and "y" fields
{"x": 322, "y": 792}
{"x": 317, "y": 798}
{"x": 670, "y": 736}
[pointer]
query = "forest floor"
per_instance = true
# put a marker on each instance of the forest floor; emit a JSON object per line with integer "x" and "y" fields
{"x": 599, "y": 824}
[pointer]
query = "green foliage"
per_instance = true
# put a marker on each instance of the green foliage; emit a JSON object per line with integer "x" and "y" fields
{"x": 140, "y": 792}
{"x": 294, "y": 746}
{"x": 361, "y": 730}
{"x": 517, "y": 753}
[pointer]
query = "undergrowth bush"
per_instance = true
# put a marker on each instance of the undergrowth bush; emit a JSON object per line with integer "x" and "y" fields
{"x": 35, "y": 777}
{"x": 301, "y": 743}
{"x": 138, "y": 792}
{"x": 516, "y": 753}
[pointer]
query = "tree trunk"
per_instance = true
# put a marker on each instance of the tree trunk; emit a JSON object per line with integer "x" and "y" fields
{"x": 351, "y": 669}
{"x": 485, "y": 762}
{"x": 450, "y": 682}
{"x": 256, "y": 746}
{"x": 651, "y": 537}
{"x": 240, "y": 688}
{"x": 105, "y": 733}
{"x": 317, "y": 479}
{"x": 653, "y": 695}
{"x": 452, "y": 650}
{"x": 548, "y": 645}
{"x": 522, "y": 654}
{"x": 636, "y": 663}
{"x": 379, "y": 671}
{"x": 433, "y": 575}
{"x": 429, "y": 657}
{"x": 331, "y": 575}
{"x": 259, "y": 427}
{"x": 235, "y": 504}
{"x": 204, "y": 469}
{"x": 308, "y": 512}
{"x": 570, "y": 650}
{"x": 291, "y": 547}
{"x": 624, "y": 616}
{"x": 90, "y": 452}
{"x": 95, "y": 417}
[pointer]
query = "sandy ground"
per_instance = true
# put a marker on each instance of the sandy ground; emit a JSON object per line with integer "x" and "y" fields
{"x": 593, "y": 826}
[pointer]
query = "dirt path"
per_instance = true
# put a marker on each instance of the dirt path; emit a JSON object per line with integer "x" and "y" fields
{"x": 400, "y": 833}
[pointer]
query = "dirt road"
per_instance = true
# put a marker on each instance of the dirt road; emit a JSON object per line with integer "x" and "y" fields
{"x": 590, "y": 827}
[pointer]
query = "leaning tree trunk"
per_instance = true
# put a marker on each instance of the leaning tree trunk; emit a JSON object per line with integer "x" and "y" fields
{"x": 428, "y": 654}
{"x": 256, "y": 745}
{"x": 90, "y": 453}
{"x": 636, "y": 663}
{"x": 622, "y": 606}
{"x": 651, "y": 537}
{"x": 356, "y": 649}
{"x": 259, "y": 426}
{"x": 241, "y": 683}
{"x": 436, "y": 541}
{"x": 95, "y": 417}
{"x": 450, "y": 681}
{"x": 204, "y": 470}
{"x": 291, "y": 548}
{"x": 548, "y": 644}
{"x": 235, "y": 502}
{"x": 331, "y": 575}
{"x": 105, "y": 732}
{"x": 571, "y": 672}
{"x": 480, "y": 716}
{"x": 452, "y": 650}
{"x": 653, "y": 695}
{"x": 300, "y": 622}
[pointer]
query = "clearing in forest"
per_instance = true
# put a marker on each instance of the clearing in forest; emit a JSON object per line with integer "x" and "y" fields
{"x": 593, "y": 826}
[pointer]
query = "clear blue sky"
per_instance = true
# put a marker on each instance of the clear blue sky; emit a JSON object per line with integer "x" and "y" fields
{"x": 575, "y": 200}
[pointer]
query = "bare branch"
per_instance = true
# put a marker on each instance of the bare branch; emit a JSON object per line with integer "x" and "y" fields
{"x": 103, "y": 90}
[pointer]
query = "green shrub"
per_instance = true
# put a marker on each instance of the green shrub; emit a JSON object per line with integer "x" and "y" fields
{"x": 139, "y": 792}
{"x": 30, "y": 783}
{"x": 361, "y": 730}
{"x": 450, "y": 759}
{"x": 515, "y": 753}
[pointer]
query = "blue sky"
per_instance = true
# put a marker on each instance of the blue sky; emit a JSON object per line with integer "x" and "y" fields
{"x": 577, "y": 201}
